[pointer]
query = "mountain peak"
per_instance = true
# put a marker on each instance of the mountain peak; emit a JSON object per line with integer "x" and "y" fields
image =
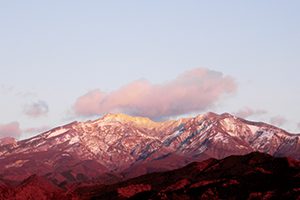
{"x": 7, "y": 140}
{"x": 126, "y": 118}
{"x": 38, "y": 181}
{"x": 226, "y": 115}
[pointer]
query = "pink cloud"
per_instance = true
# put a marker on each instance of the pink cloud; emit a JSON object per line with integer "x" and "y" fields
{"x": 195, "y": 90}
{"x": 247, "y": 112}
{"x": 36, "y": 130}
{"x": 12, "y": 129}
{"x": 36, "y": 109}
{"x": 278, "y": 120}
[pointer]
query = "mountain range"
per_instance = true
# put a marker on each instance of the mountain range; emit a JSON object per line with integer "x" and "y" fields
{"x": 251, "y": 176}
{"x": 118, "y": 147}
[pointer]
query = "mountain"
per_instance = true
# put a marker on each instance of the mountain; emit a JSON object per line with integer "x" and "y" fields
{"x": 117, "y": 147}
{"x": 35, "y": 187}
{"x": 5, "y": 191}
{"x": 251, "y": 176}
{"x": 7, "y": 140}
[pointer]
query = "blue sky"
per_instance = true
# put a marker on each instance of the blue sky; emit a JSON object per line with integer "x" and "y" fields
{"x": 59, "y": 57}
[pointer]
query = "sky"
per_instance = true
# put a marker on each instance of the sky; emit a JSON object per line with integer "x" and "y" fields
{"x": 65, "y": 61}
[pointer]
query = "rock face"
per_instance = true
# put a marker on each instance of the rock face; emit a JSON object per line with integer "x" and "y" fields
{"x": 117, "y": 147}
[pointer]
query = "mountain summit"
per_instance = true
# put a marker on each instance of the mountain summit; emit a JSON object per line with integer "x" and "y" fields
{"x": 125, "y": 146}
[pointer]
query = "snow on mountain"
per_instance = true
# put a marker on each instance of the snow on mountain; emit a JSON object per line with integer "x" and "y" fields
{"x": 57, "y": 132}
{"x": 117, "y": 142}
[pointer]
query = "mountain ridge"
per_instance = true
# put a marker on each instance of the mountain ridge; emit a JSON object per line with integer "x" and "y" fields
{"x": 118, "y": 145}
{"x": 251, "y": 176}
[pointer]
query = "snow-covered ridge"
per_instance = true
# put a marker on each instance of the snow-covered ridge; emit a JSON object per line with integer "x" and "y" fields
{"x": 117, "y": 140}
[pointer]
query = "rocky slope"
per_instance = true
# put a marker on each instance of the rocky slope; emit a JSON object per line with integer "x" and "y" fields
{"x": 7, "y": 140}
{"x": 252, "y": 176}
{"x": 116, "y": 147}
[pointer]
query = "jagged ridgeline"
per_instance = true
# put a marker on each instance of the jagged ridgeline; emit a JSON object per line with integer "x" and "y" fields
{"x": 117, "y": 147}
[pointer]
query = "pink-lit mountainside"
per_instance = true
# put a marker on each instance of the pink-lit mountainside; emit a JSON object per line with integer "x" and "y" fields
{"x": 118, "y": 147}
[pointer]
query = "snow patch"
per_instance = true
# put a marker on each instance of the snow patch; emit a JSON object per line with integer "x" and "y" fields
{"x": 17, "y": 163}
{"x": 202, "y": 149}
{"x": 228, "y": 122}
{"x": 253, "y": 128}
{"x": 33, "y": 139}
{"x": 104, "y": 123}
{"x": 39, "y": 144}
{"x": 146, "y": 136}
{"x": 74, "y": 140}
{"x": 22, "y": 150}
{"x": 94, "y": 148}
{"x": 267, "y": 134}
{"x": 58, "y": 132}
{"x": 240, "y": 146}
{"x": 220, "y": 136}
